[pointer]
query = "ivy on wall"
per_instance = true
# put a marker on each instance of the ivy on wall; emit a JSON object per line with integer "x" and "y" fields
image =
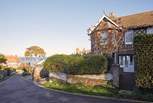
{"x": 143, "y": 47}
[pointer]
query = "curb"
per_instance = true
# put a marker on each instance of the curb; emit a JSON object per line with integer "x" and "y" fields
{"x": 93, "y": 96}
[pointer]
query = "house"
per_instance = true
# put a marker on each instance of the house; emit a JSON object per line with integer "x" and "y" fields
{"x": 12, "y": 61}
{"x": 113, "y": 35}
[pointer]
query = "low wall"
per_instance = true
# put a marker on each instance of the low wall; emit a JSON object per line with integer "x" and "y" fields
{"x": 91, "y": 80}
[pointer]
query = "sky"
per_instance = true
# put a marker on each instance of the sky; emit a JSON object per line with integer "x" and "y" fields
{"x": 57, "y": 26}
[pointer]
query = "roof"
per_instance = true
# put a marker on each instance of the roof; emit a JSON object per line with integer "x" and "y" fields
{"x": 12, "y": 58}
{"x": 137, "y": 20}
{"x": 144, "y": 19}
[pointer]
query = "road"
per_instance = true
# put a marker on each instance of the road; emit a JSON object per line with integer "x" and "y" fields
{"x": 17, "y": 89}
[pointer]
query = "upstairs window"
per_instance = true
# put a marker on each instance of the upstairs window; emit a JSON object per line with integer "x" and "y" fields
{"x": 103, "y": 38}
{"x": 129, "y": 37}
{"x": 140, "y": 31}
{"x": 150, "y": 30}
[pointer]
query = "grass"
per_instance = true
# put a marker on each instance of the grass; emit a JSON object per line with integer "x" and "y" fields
{"x": 79, "y": 88}
{"x": 98, "y": 90}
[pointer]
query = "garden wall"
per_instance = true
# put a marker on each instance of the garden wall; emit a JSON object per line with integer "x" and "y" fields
{"x": 91, "y": 80}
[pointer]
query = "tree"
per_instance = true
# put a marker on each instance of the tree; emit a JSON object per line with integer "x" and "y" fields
{"x": 2, "y": 58}
{"x": 34, "y": 51}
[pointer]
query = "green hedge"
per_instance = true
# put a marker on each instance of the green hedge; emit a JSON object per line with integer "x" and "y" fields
{"x": 75, "y": 64}
{"x": 143, "y": 45}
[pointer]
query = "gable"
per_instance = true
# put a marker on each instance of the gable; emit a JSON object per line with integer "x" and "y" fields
{"x": 139, "y": 20}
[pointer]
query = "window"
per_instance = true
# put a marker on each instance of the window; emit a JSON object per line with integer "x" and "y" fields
{"x": 103, "y": 38}
{"x": 127, "y": 63}
{"x": 140, "y": 31}
{"x": 121, "y": 60}
{"x": 129, "y": 37}
{"x": 150, "y": 30}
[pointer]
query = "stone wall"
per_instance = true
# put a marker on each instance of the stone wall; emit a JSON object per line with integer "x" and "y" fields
{"x": 91, "y": 80}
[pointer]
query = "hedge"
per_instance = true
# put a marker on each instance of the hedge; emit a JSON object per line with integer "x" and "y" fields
{"x": 143, "y": 45}
{"x": 76, "y": 64}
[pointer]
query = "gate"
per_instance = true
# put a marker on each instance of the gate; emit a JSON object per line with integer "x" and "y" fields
{"x": 127, "y": 80}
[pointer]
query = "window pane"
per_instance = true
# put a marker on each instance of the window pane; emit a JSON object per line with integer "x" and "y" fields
{"x": 129, "y": 37}
{"x": 150, "y": 30}
{"x": 103, "y": 38}
{"x": 121, "y": 60}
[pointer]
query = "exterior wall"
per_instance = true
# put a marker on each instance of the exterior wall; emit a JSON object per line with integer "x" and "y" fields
{"x": 109, "y": 48}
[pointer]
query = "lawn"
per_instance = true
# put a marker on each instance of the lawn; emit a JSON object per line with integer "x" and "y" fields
{"x": 98, "y": 90}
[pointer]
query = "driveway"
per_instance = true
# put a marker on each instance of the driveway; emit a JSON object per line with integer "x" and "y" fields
{"x": 21, "y": 90}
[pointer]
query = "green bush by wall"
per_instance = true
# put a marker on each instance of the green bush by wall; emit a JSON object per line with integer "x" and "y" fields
{"x": 76, "y": 64}
{"x": 143, "y": 45}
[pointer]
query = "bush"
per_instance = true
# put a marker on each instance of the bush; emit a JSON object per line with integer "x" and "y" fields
{"x": 1, "y": 77}
{"x": 91, "y": 64}
{"x": 76, "y": 64}
{"x": 44, "y": 73}
{"x": 143, "y": 45}
{"x": 2, "y": 58}
{"x": 61, "y": 63}
{"x": 25, "y": 72}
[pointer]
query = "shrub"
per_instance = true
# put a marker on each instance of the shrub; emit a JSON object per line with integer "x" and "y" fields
{"x": 143, "y": 45}
{"x": 25, "y": 72}
{"x": 2, "y": 58}
{"x": 44, "y": 73}
{"x": 91, "y": 64}
{"x": 1, "y": 76}
{"x": 61, "y": 63}
{"x": 76, "y": 64}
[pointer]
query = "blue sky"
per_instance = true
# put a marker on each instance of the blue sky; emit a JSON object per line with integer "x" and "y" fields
{"x": 58, "y": 26}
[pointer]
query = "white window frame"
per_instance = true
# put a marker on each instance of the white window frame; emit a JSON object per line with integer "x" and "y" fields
{"x": 130, "y": 32}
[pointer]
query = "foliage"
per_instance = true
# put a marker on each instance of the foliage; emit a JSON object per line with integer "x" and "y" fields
{"x": 76, "y": 64}
{"x": 143, "y": 45}
{"x": 25, "y": 72}
{"x": 1, "y": 77}
{"x": 35, "y": 51}
{"x": 60, "y": 63}
{"x": 6, "y": 72}
{"x": 44, "y": 73}
{"x": 2, "y": 58}
{"x": 91, "y": 64}
{"x": 79, "y": 88}
{"x": 98, "y": 90}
